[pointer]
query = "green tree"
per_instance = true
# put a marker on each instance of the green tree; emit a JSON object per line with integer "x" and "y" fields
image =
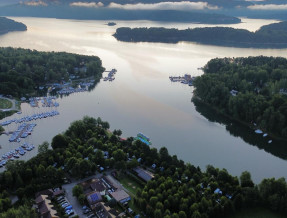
{"x": 77, "y": 190}
{"x": 43, "y": 147}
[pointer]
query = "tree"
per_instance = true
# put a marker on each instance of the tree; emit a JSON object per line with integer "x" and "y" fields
{"x": 59, "y": 141}
{"x": 77, "y": 190}
{"x": 43, "y": 147}
{"x": 245, "y": 179}
{"x": 119, "y": 155}
{"x": 82, "y": 199}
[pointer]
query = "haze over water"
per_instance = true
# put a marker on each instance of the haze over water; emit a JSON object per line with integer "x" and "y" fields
{"x": 142, "y": 98}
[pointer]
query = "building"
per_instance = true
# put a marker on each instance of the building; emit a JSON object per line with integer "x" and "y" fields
{"x": 120, "y": 196}
{"x": 103, "y": 210}
{"x": 143, "y": 174}
{"x": 93, "y": 198}
{"x": 45, "y": 207}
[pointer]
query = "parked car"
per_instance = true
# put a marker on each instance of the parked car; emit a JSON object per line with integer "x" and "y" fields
{"x": 63, "y": 202}
{"x": 69, "y": 212}
{"x": 64, "y": 205}
{"x": 68, "y": 207}
{"x": 84, "y": 207}
{"x": 87, "y": 211}
{"x": 60, "y": 198}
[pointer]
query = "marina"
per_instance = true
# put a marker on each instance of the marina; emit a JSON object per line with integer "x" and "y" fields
{"x": 111, "y": 75}
{"x": 22, "y": 132}
{"x": 16, "y": 153}
{"x": 186, "y": 79}
{"x": 35, "y": 116}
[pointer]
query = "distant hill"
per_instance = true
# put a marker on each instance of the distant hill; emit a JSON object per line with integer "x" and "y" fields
{"x": 8, "y": 25}
{"x": 269, "y": 36}
{"x": 102, "y": 13}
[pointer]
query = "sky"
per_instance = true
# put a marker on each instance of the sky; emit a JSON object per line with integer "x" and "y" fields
{"x": 279, "y": 5}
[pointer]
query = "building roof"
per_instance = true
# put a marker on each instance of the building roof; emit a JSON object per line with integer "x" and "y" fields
{"x": 98, "y": 186}
{"x": 93, "y": 198}
{"x": 119, "y": 195}
{"x": 144, "y": 174}
{"x": 45, "y": 207}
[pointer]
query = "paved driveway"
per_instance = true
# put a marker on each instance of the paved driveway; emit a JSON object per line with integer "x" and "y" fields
{"x": 73, "y": 200}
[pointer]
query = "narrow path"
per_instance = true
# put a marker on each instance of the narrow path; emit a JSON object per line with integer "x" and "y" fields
{"x": 13, "y": 101}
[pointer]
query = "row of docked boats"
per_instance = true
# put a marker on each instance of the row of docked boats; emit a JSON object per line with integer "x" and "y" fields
{"x": 23, "y": 131}
{"x": 259, "y": 131}
{"x": 71, "y": 90}
{"x": 46, "y": 101}
{"x": 16, "y": 153}
{"x": 111, "y": 75}
{"x": 31, "y": 118}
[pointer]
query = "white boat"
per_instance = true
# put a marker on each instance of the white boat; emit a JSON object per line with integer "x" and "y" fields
{"x": 265, "y": 134}
{"x": 258, "y": 131}
{"x": 270, "y": 141}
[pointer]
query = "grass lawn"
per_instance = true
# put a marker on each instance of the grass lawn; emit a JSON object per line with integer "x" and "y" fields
{"x": 258, "y": 212}
{"x": 5, "y": 104}
{"x": 129, "y": 184}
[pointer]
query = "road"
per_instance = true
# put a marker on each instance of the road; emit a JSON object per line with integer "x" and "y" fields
{"x": 13, "y": 101}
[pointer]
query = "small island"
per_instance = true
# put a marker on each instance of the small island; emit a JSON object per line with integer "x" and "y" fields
{"x": 269, "y": 36}
{"x": 250, "y": 90}
{"x": 111, "y": 24}
{"x": 8, "y": 25}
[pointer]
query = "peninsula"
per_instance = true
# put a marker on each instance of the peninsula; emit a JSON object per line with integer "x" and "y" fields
{"x": 251, "y": 90}
{"x": 130, "y": 177}
{"x": 8, "y": 25}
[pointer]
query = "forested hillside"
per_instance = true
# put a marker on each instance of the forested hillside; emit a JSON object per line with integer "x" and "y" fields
{"x": 22, "y": 71}
{"x": 8, "y": 25}
{"x": 269, "y": 36}
{"x": 253, "y": 90}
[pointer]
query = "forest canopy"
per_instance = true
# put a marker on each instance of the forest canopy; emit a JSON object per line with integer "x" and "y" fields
{"x": 22, "y": 71}
{"x": 252, "y": 90}
{"x": 8, "y": 25}
{"x": 269, "y": 36}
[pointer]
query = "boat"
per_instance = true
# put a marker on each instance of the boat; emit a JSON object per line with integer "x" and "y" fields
{"x": 265, "y": 134}
{"x": 258, "y": 131}
{"x": 270, "y": 141}
{"x": 143, "y": 138}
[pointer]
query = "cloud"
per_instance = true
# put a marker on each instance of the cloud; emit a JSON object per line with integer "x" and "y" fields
{"x": 34, "y": 3}
{"x": 181, "y": 6}
{"x": 87, "y": 4}
{"x": 268, "y": 7}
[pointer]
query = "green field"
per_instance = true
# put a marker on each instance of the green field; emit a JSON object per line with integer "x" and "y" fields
{"x": 5, "y": 104}
{"x": 130, "y": 184}
{"x": 256, "y": 213}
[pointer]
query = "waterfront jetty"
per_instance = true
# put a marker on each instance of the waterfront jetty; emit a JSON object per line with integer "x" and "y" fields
{"x": 186, "y": 79}
{"x": 111, "y": 75}
{"x": 23, "y": 131}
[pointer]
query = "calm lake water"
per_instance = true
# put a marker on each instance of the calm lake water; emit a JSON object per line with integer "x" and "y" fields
{"x": 142, "y": 98}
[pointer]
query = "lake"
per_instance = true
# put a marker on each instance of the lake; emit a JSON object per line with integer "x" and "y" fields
{"x": 142, "y": 98}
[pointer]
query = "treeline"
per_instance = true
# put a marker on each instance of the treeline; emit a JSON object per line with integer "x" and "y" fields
{"x": 261, "y": 83}
{"x": 178, "y": 189}
{"x": 105, "y": 13}
{"x": 22, "y": 71}
{"x": 269, "y": 36}
{"x": 8, "y": 25}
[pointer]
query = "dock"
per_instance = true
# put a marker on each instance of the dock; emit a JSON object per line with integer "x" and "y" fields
{"x": 111, "y": 75}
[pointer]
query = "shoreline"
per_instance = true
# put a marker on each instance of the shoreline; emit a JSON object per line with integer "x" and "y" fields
{"x": 272, "y": 135}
